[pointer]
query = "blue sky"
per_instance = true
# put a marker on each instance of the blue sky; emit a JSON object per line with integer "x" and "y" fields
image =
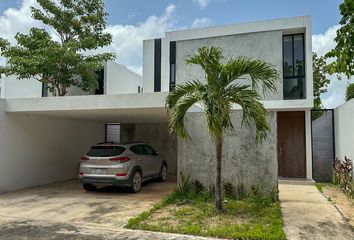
{"x": 131, "y": 21}
{"x": 324, "y": 12}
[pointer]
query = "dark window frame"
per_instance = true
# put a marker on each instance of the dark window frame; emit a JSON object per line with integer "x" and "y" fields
{"x": 303, "y": 55}
{"x": 172, "y": 82}
{"x": 157, "y": 65}
{"x": 294, "y": 76}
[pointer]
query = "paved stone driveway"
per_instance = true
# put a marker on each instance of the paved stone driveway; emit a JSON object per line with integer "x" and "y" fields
{"x": 65, "y": 211}
{"x": 308, "y": 215}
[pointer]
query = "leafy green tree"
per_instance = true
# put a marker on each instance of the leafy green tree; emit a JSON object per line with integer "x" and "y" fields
{"x": 320, "y": 82}
{"x": 344, "y": 50}
{"x": 221, "y": 89}
{"x": 349, "y": 93}
{"x": 61, "y": 59}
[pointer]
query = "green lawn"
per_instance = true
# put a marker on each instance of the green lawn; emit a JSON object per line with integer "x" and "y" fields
{"x": 189, "y": 213}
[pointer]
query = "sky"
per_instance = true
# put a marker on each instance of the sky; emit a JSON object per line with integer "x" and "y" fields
{"x": 132, "y": 21}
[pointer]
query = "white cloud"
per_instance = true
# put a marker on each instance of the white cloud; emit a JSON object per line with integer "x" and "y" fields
{"x": 201, "y": 22}
{"x": 15, "y": 20}
{"x": 202, "y": 3}
{"x": 127, "y": 39}
{"x": 321, "y": 44}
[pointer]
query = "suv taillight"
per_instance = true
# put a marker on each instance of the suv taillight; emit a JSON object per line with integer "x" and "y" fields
{"x": 119, "y": 159}
{"x": 84, "y": 158}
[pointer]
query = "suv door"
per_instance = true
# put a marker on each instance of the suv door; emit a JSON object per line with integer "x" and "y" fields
{"x": 143, "y": 159}
{"x": 154, "y": 159}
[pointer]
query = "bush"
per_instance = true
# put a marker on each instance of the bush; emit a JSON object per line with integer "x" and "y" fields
{"x": 184, "y": 183}
{"x": 198, "y": 187}
{"x": 343, "y": 175}
{"x": 349, "y": 93}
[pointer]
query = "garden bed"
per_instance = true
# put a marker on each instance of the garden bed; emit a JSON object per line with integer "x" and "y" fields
{"x": 340, "y": 199}
{"x": 190, "y": 213}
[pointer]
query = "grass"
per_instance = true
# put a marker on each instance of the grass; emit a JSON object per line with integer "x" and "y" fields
{"x": 189, "y": 213}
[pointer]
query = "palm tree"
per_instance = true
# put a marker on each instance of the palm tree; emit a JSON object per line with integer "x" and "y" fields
{"x": 217, "y": 95}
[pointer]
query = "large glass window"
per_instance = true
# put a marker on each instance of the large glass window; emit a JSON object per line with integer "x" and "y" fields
{"x": 293, "y": 66}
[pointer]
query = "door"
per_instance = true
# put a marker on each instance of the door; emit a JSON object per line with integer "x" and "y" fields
{"x": 154, "y": 160}
{"x": 291, "y": 145}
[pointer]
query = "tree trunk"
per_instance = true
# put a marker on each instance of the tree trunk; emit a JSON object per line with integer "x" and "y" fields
{"x": 218, "y": 199}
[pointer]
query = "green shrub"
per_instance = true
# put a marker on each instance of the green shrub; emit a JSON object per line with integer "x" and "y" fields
{"x": 349, "y": 93}
{"x": 184, "y": 183}
{"x": 228, "y": 190}
{"x": 198, "y": 187}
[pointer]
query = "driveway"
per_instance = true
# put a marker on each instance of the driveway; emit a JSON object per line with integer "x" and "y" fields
{"x": 65, "y": 210}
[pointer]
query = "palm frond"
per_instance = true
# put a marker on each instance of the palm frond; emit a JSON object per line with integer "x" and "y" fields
{"x": 263, "y": 75}
{"x": 254, "y": 113}
{"x": 179, "y": 101}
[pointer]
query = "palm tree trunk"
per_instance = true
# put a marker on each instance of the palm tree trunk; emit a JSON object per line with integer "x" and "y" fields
{"x": 218, "y": 200}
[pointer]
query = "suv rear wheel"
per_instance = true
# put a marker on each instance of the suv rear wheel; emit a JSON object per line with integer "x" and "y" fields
{"x": 89, "y": 187}
{"x": 163, "y": 173}
{"x": 136, "y": 182}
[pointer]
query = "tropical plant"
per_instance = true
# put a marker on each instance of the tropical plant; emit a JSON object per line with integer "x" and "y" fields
{"x": 343, "y": 175}
{"x": 59, "y": 57}
{"x": 320, "y": 81}
{"x": 344, "y": 49}
{"x": 218, "y": 93}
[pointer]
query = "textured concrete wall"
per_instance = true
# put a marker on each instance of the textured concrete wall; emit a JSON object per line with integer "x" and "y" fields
{"x": 322, "y": 147}
{"x": 266, "y": 46}
{"x": 157, "y": 136}
{"x": 244, "y": 161}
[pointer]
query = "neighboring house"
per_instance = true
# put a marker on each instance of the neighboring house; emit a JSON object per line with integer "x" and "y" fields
{"x": 78, "y": 121}
{"x": 112, "y": 79}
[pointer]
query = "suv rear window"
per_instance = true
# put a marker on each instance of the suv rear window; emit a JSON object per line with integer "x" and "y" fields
{"x": 105, "y": 151}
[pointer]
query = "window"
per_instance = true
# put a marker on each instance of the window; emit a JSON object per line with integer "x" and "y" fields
{"x": 172, "y": 65}
{"x": 105, "y": 151}
{"x": 100, "y": 80}
{"x": 142, "y": 150}
{"x": 44, "y": 89}
{"x": 293, "y": 66}
{"x": 157, "y": 65}
{"x": 148, "y": 150}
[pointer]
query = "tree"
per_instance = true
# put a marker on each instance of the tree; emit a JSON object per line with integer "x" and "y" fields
{"x": 221, "y": 89}
{"x": 349, "y": 93}
{"x": 344, "y": 50}
{"x": 320, "y": 82}
{"x": 60, "y": 59}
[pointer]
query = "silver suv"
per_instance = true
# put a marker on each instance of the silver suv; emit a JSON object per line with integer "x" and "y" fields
{"x": 116, "y": 164}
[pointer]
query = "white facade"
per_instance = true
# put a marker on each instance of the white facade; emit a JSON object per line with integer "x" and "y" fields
{"x": 343, "y": 128}
{"x": 120, "y": 80}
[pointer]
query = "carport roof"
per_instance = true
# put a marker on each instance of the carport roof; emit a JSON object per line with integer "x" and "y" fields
{"x": 124, "y": 108}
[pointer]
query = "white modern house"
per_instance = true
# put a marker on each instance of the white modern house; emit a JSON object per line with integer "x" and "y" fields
{"x": 50, "y": 134}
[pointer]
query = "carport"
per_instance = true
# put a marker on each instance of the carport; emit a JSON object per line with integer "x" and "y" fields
{"x": 42, "y": 139}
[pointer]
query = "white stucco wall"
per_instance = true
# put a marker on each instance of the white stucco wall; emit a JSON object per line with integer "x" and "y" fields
{"x": 119, "y": 79}
{"x": 24, "y": 88}
{"x": 344, "y": 133}
{"x": 39, "y": 150}
{"x": 148, "y": 65}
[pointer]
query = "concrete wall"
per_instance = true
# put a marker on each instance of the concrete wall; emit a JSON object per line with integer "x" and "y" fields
{"x": 244, "y": 161}
{"x": 322, "y": 146}
{"x": 39, "y": 150}
{"x": 156, "y": 135}
{"x": 344, "y": 133}
{"x": 119, "y": 79}
{"x": 265, "y": 46}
